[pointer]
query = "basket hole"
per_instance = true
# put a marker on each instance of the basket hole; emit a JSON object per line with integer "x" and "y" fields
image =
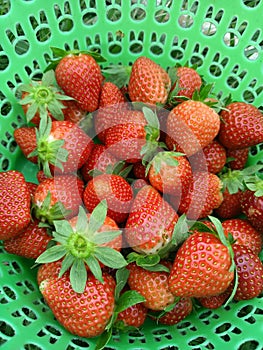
{"x": 208, "y": 28}
{"x": 115, "y": 49}
{"x": 231, "y": 39}
{"x": 177, "y": 54}
{"x": 4, "y": 163}
{"x": 251, "y": 52}
{"x": 232, "y": 82}
{"x": 138, "y": 14}
{"x": 30, "y": 346}
{"x": 22, "y": 46}
{"x": 6, "y": 108}
{"x": 161, "y": 16}
{"x": 156, "y": 50}
{"x": 113, "y": 14}
{"x": 136, "y": 48}
{"x": 43, "y": 34}
{"x": 89, "y": 18}
{"x": 9, "y": 295}
{"x": 6, "y": 329}
{"x": 5, "y": 7}
{"x": 4, "y": 62}
{"x": 79, "y": 342}
{"x": 250, "y": 344}
{"x": 248, "y": 96}
{"x": 185, "y": 21}
{"x": 250, "y": 3}
{"x": 66, "y": 25}
{"x": 215, "y": 70}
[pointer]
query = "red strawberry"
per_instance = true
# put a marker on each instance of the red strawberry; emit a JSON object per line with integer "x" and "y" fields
{"x": 30, "y": 243}
{"x": 31, "y": 187}
{"x": 250, "y": 273}
{"x": 214, "y": 155}
{"x": 182, "y": 308}
{"x": 191, "y": 126}
{"x": 152, "y": 285}
{"x": 139, "y": 171}
{"x": 84, "y": 314}
{"x": 203, "y": 196}
{"x": 111, "y": 103}
{"x": 230, "y": 206}
{"x": 241, "y": 126}
{"x": 73, "y": 112}
{"x": 25, "y": 137}
{"x": 239, "y": 157}
{"x": 79, "y": 76}
{"x": 126, "y": 139}
{"x": 185, "y": 80}
{"x": 252, "y": 207}
{"x": 99, "y": 159}
{"x": 202, "y": 267}
{"x": 149, "y": 82}
{"x": 41, "y": 176}
{"x": 48, "y": 270}
{"x": 62, "y": 146}
{"x": 15, "y": 202}
{"x": 58, "y": 197}
{"x": 117, "y": 192}
{"x": 150, "y": 223}
{"x": 215, "y": 301}
{"x": 170, "y": 172}
{"x": 244, "y": 233}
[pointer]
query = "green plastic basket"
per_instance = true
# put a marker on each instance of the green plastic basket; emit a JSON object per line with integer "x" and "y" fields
{"x": 224, "y": 39}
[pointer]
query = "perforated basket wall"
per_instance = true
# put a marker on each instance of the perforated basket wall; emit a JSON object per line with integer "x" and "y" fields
{"x": 223, "y": 38}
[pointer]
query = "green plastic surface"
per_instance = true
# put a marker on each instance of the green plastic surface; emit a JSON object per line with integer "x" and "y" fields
{"x": 223, "y": 38}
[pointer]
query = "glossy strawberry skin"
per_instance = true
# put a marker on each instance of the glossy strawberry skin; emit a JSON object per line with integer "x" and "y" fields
{"x": 250, "y": 273}
{"x": 117, "y": 192}
{"x": 149, "y": 82}
{"x": 215, "y": 301}
{"x": 252, "y": 207}
{"x": 191, "y": 126}
{"x": 201, "y": 267}
{"x": 100, "y": 158}
{"x": 84, "y": 314}
{"x": 67, "y": 189}
{"x": 48, "y": 270}
{"x": 241, "y": 126}
{"x": 240, "y": 158}
{"x": 79, "y": 76}
{"x": 25, "y": 137}
{"x": 203, "y": 196}
{"x": 171, "y": 179}
{"x": 76, "y": 142}
{"x": 181, "y": 310}
{"x": 30, "y": 243}
{"x": 230, "y": 206}
{"x": 134, "y": 315}
{"x": 152, "y": 285}
{"x": 15, "y": 202}
{"x": 149, "y": 226}
{"x": 244, "y": 233}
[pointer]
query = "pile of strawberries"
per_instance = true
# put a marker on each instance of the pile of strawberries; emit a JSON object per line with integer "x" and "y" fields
{"x": 144, "y": 205}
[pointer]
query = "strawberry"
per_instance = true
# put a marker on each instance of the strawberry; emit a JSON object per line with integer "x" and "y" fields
{"x": 30, "y": 243}
{"x": 31, "y": 187}
{"x": 126, "y": 139}
{"x": 203, "y": 196}
{"x": 62, "y": 146}
{"x": 42, "y": 98}
{"x": 79, "y": 75}
{"x": 244, "y": 233}
{"x": 203, "y": 266}
{"x": 214, "y": 155}
{"x": 230, "y": 206}
{"x": 241, "y": 126}
{"x": 111, "y": 104}
{"x": 152, "y": 285}
{"x": 175, "y": 313}
{"x": 48, "y": 270}
{"x": 25, "y": 137}
{"x": 73, "y": 112}
{"x": 58, "y": 197}
{"x": 150, "y": 223}
{"x": 84, "y": 314}
{"x": 115, "y": 190}
{"x": 191, "y": 126}
{"x": 215, "y": 301}
{"x": 250, "y": 273}
{"x": 133, "y": 316}
{"x": 149, "y": 82}
{"x": 85, "y": 242}
{"x": 238, "y": 158}
{"x": 170, "y": 172}
{"x": 99, "y": 159}
{"x": 185, "y": 80}
{"x": 252, "y": 202}
{"x": 15, "y": 202}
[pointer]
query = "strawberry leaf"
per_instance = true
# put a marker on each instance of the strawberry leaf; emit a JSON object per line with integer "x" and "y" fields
{"x": 122, "y": 275}
{"x": 98, "y": 216}
{"x": 128, "y": 299}
{"x": 103, "y": 339}
{"x": 66, "y": 264}
{"x": 78, "y": 276}
{"x": 52, "y": 254}
{"x": 110, "y": 257}
{"x": 94, "y": 267}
